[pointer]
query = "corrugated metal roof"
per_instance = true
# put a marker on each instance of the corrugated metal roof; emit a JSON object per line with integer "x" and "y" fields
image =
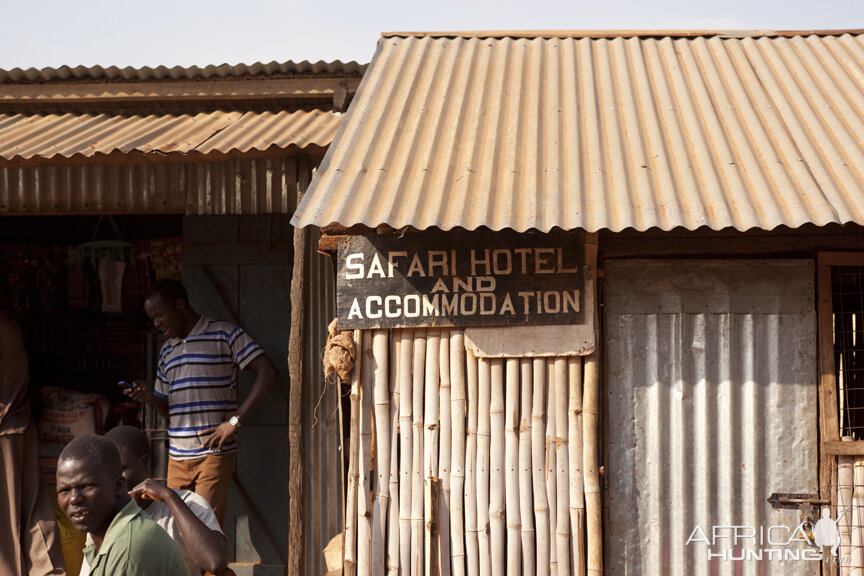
{"x": 64, "y": 73}
{"x": 594, "y": 133}
{"x": 66, "y": 135}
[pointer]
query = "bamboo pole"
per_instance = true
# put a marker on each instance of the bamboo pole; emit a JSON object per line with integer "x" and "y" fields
{"x": 381, "y": 406}
{"x": 590, "y": 410}
{"x": 577, "y": 487}
{"x": 457, "y": 472}
{"x": 538, "y": 465}
{"x": 857, "y": 564}
{"x": 511, "y": 467}
{"x": 343, "y": 451}
{"x": 484, "y": 398}
{"x": 472, "y": 550}
{"x": 406, "y": 445}
{"x": 433, "y": 550}
{"x": 845, "y": 477}
{"x": 393, "y": 517}
{"x": 551, "y": 468}
{"x": 349, "y": 553}
{"x": 364, "y": 523}
{"x": 431, "y": 416}
{"x": 444, "y": 459}
{"x": 417, "y": 492}
{"x": 497, "y": 458}
{"x": 562, "y": 456}
{"x": 526, "y": 503}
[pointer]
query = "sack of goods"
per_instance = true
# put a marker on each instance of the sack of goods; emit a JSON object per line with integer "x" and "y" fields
{"x": 66, "y": 414}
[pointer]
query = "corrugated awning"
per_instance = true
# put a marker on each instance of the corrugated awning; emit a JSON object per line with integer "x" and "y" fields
{"x": 535, "y": 132}
{"x": 113, "y": 73}
{"x": 26, "y": 136}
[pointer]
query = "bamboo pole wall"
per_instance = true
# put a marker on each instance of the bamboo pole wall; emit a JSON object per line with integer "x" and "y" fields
{"x": 475, "y": 466}
{"x": 850, "y": 515}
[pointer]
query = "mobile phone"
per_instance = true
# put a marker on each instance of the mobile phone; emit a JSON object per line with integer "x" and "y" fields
{"x": 124, "y": 384}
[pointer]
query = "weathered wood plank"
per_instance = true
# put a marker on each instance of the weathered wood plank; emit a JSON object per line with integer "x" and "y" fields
{"x": 829, "y": 426}
{"x": 835, "y": 448}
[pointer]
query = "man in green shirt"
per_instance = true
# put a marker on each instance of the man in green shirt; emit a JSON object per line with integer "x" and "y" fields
{"x": 91, "y": 491}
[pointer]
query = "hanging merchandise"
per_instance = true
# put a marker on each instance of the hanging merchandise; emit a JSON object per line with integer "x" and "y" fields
{"x": 111, "y": 283}
{"x": 116, "y": 249}
{"x": 108, "y": 258}
{"x": 165, "y": 256}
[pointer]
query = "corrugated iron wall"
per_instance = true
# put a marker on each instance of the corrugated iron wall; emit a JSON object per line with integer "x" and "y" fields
{"x": 712, "y": 408}
{"x": 321, "y": 426}
{"x": 241, "y": 186}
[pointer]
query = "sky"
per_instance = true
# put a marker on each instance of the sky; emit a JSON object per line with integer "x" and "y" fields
{"x": 40, "y": 34}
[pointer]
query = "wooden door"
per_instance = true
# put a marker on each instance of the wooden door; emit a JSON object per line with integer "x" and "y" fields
{"x": 238, "y": 268}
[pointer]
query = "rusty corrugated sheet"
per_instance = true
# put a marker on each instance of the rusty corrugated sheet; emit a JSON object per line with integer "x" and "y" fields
{"x": 711, "y": 375}
{"x": 28, "y": 136}
{"x": 262, "y": 130}
{"x": 321, "y": 425}
{"x": 242, "y": 186}
{"x": 63, "y": 73}
{"x": 593, "y": 133}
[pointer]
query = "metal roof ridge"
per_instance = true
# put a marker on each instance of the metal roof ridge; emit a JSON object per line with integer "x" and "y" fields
{"x": 68, "y": 73}
{"x": 599, "y": 34}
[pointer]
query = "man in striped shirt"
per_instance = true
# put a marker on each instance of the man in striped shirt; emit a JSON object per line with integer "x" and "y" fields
{"x": 196, "y": 387}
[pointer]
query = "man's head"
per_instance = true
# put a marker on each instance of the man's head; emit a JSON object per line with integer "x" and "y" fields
{"x": 167, "y": 305}
{"x": 134, "y": 448}
{"x": 90, "y": 486}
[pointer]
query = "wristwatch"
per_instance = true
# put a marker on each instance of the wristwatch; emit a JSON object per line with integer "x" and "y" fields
{"x": 234, "y": 421}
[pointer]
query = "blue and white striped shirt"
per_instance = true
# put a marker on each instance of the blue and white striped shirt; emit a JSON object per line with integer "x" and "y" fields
{"x": 198, "y": 377}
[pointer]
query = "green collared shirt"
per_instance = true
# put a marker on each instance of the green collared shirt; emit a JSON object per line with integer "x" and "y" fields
{"x": 134, "y": 545}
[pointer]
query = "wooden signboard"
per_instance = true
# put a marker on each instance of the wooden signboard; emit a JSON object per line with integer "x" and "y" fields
{"x": 460, "y": 279}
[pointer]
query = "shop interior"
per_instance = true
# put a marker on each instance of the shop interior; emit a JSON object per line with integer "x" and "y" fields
{"x": 75, "y": 285}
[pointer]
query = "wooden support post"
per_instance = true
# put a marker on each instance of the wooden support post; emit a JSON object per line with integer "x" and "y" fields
{"x": 296, "y": 535}
{"x": 829, "y": 422}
